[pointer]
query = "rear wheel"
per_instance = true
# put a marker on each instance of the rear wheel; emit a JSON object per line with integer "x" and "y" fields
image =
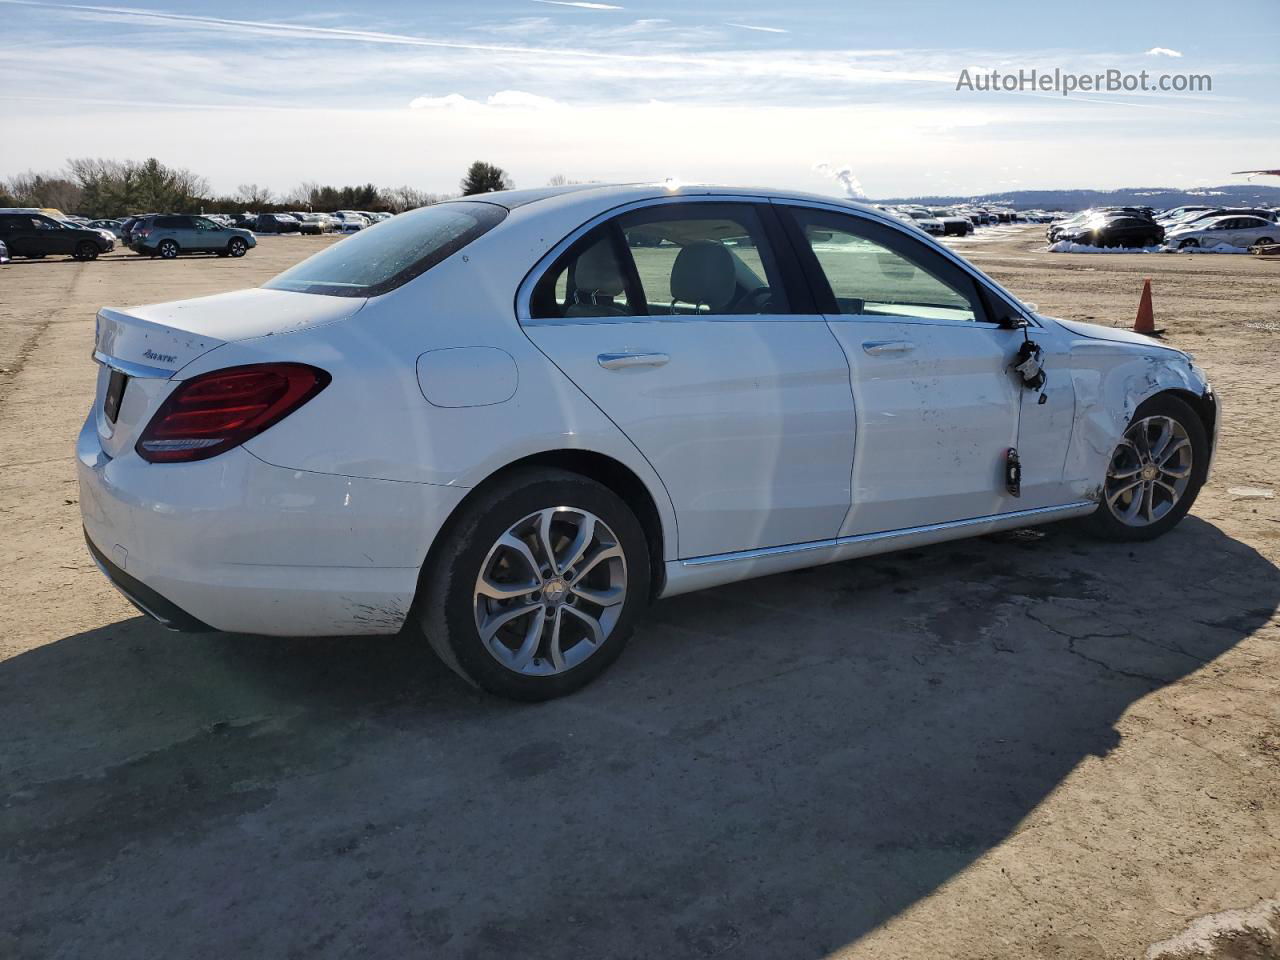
{"x": 86, "y": 250}
{"x": 534, "y": 590}
{"x": 168, "y": 249}
{"x": 1189, "y": 244}
{"x": 1261, "y": 244}
{"x": 237, "y": 247}
{"x": 1155, "y": 472}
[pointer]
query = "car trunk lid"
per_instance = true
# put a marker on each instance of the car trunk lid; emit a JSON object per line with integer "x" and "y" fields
{"x": 143, "y": 350}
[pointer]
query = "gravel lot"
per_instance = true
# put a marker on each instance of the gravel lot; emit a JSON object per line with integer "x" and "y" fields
{"x": 1027, "y": 745}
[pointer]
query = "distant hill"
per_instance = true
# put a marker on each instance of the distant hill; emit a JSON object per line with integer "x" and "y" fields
{"x": 1234, "y": 195}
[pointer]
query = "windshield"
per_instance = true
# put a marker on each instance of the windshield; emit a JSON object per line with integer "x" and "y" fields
{"x": 372, "y": 262}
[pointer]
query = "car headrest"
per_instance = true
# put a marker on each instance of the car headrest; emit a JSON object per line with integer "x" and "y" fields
{"x": 704, "y": 274}
{"x": 597, "y": 271}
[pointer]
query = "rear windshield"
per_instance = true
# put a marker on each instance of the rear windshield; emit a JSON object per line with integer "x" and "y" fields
{"x": 388, "y": 254}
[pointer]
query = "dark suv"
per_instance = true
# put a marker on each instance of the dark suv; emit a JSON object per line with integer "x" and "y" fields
{"x": 37, "y": 235}
{"x": 168, "y": 235}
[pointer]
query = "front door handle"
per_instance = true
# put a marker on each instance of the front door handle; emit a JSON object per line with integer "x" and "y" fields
{"x": 879, "y": 347}
{"x": 618, "y": 361}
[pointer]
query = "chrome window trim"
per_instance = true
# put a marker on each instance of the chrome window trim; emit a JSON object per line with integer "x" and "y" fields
{"x": 884, "y": 219}
{"x": 524, "y": 293}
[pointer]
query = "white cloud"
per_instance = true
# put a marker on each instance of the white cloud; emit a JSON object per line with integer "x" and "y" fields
{"x": 582, "y": 4}
{"x": 451, "y": 101}
{"x": 1163, "y": 52}
{"x": 747, "y": 26}
{"x": 518, "y": 98}
{"x": 510, "y": 99}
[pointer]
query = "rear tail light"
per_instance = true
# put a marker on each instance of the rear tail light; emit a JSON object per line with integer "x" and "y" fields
{"x": 214, "y": 412}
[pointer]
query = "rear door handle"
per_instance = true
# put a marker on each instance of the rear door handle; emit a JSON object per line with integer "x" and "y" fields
{"x": 618, "y": 361}
{"x": 878, "y": 347}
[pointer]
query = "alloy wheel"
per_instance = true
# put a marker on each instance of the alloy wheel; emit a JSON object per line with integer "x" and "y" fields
{"x": 1149, "y": 472}
{"x": 550, "y": 591}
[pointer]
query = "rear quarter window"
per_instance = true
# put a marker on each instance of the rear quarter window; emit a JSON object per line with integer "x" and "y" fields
{"x": 387, "y": 255}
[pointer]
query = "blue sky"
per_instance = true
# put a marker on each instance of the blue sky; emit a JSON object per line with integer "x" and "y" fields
{"x": 781, "y": 94}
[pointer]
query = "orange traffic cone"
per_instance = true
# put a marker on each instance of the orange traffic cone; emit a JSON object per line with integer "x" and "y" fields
{"x": 1145, "y": 322}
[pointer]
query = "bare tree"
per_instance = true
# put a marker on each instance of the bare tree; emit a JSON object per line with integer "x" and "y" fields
{"x": 253, "y": 195}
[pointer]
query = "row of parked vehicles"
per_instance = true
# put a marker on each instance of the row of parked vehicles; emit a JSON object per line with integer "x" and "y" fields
{"x": 1186, "y": 227}
{"x": 39, "y": 232}
{"x": 964, "y": 219}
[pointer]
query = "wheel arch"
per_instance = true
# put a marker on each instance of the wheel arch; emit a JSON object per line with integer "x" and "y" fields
{"x": 1205, "y": 406}
{"x": 603, "y": 469}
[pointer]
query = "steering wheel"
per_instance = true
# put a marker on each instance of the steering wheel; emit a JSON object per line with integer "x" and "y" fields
{"x": 757, "y": 300}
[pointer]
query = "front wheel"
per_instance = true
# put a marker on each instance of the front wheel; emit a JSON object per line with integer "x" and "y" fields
{"x": 533, "y": 591}
{"x": 1259, "y": 245}
{"x": 237, "y": 247}
{"x": 1189, "y": 244}
{"x": 86, "y": 250}
{"x": 1155, "y": 473}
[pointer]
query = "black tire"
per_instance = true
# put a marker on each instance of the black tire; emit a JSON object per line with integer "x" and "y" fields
{"x": 1104, "y": 525}
{"x": 1189, "y": 244}
{"x": 1260, "y": 244}
{"x": 236, "y": 247}
{"x": 446, "y": 599}
{"x": 86, "y": 250}
{"x": 168, "y": 249}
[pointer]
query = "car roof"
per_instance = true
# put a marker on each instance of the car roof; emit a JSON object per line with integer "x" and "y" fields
{"x": 605, "y": 196}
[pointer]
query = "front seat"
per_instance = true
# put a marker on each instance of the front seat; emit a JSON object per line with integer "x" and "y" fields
{"x": 597, "y": 280}
{"x": 704, "y": 275}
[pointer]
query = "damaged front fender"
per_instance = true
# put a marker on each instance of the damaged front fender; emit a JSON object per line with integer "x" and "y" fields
{"x": 1112, "y": 378}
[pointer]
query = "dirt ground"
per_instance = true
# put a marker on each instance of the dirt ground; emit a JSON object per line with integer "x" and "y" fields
{"x": 1026, "y": 745}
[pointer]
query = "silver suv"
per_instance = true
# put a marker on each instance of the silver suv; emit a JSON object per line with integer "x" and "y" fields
{"x": 168, "y": 235}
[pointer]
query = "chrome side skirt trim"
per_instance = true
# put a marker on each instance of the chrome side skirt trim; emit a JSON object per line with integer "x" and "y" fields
{"x": 885, "y": 535}
{"x": 697, "y": 573}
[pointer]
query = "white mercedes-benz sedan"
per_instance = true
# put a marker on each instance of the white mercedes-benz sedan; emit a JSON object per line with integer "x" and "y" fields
{"x": 511, "y": 421}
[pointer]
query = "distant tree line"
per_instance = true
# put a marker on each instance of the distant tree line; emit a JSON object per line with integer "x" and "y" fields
{"x": 95, "y": 187}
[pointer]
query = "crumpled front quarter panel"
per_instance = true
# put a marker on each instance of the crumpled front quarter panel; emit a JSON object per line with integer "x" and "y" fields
{"x": 1112, "y": 379}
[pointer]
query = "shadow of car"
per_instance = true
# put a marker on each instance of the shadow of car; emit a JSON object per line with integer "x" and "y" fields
{"x": 783, "y": 766}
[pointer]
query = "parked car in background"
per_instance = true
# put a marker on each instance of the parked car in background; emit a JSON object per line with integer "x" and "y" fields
{"x": 1124, "y": 230}
{"x": 349, "y": 221}
{"x": 1235, "y": 231}
{"x": 1203, "y": 215}
{"x": 4, "y": 252}
{"x": 36, "y": 235}
{"x": 276, "y": 223}
{"x": 315, "y": 223}
{"x": 169, "y": 235}
{"x": 952, "y": 223}
{"x": 127, "y": 225}
{"x": 919, "y": 218}
{"x": 111, "y": 226}
{"x": 569, "y": 458}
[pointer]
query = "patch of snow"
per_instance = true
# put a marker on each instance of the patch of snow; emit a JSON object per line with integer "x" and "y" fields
{"x": 1070, "y": 246}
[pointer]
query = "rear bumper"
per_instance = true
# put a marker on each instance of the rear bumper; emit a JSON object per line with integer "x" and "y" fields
{"x": 158, "y": 608}
{"x": 236, "y": 544}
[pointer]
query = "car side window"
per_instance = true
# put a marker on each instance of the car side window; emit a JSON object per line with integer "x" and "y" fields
{"x": 876, "y": 271}
{"x": 696, "y": 259}
{"x": 590, "y": 280}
